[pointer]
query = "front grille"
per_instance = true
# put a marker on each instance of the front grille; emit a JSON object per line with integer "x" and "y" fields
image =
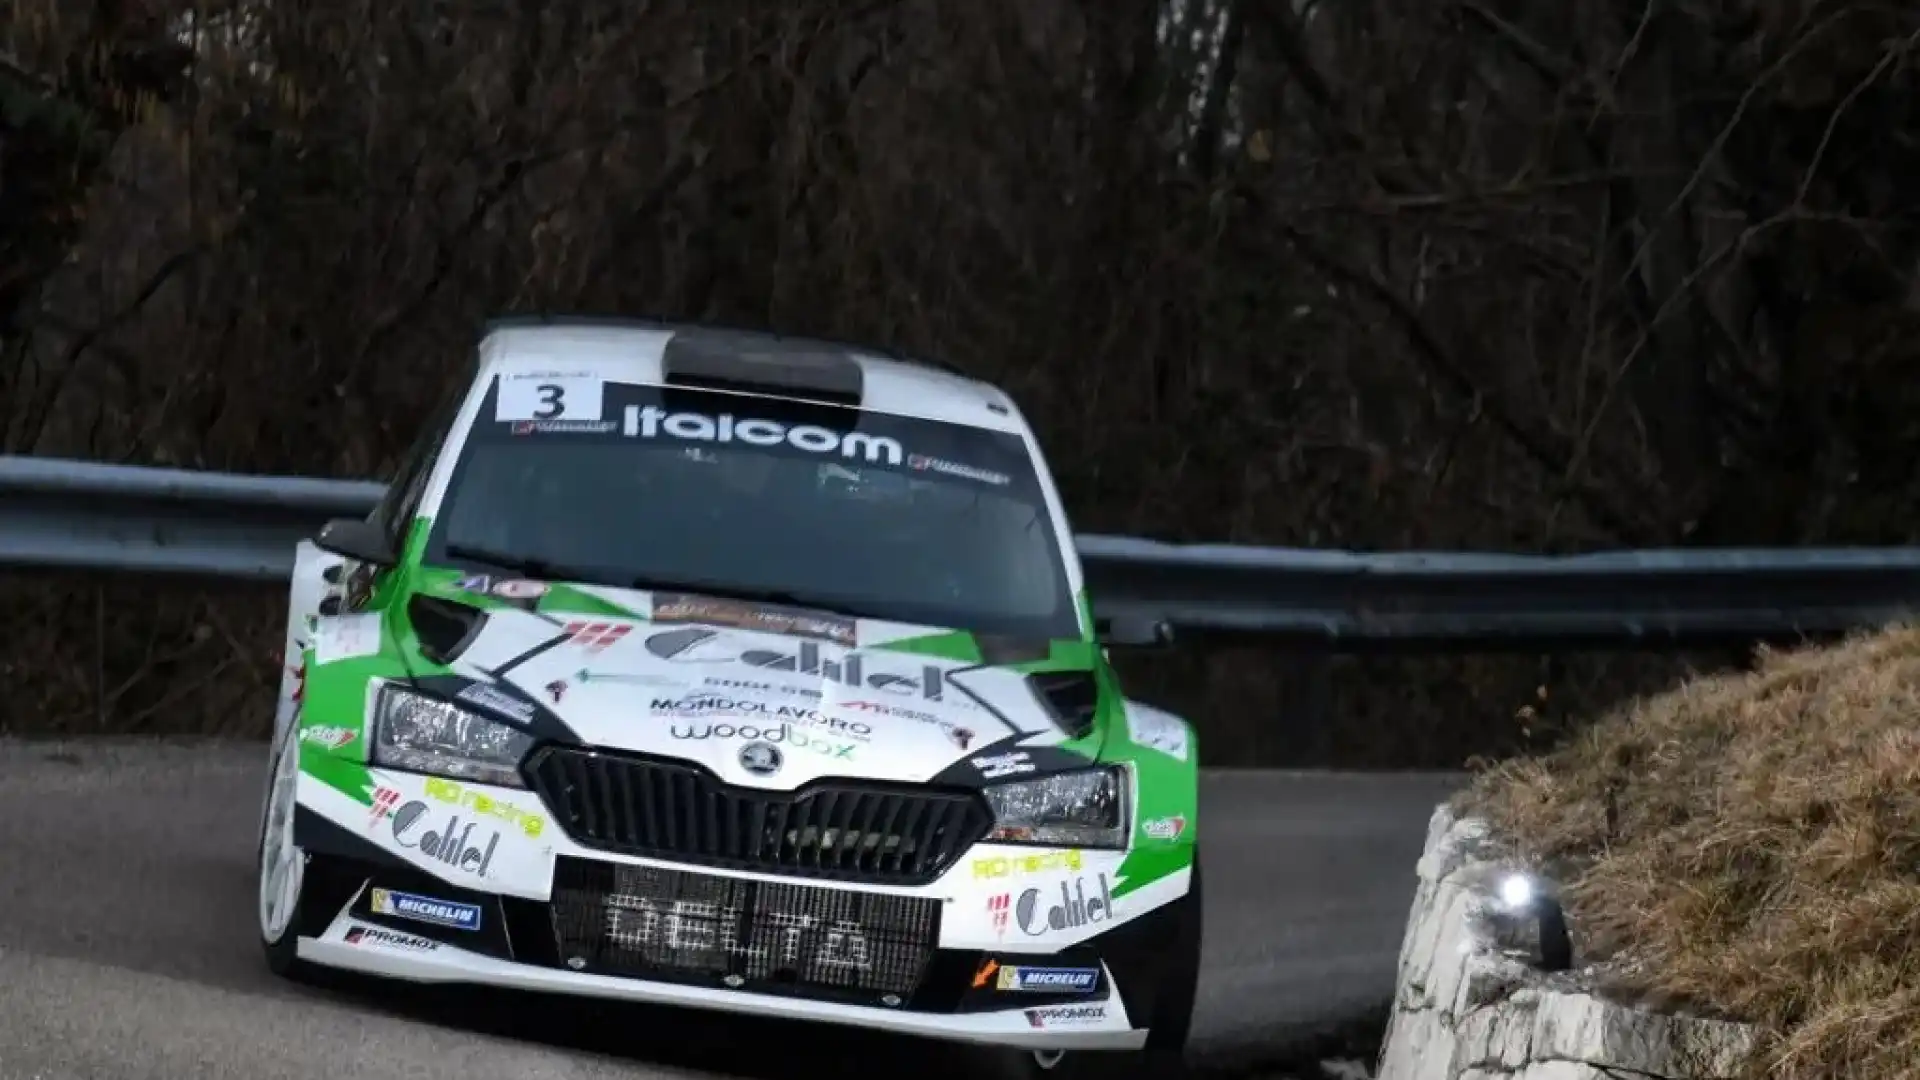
{"x": 671, "y": 810}
{"x": 649, "y": 922}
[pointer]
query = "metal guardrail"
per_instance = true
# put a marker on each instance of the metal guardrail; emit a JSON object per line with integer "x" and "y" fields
{"x": 81, "y": 515}
{"x": 72, "y": 515}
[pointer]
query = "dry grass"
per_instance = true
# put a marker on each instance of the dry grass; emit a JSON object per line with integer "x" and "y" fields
{"x": 1750, "y": 844}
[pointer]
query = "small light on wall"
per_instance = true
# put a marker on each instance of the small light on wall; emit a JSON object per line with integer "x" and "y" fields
{"x": 1531, "y": 906}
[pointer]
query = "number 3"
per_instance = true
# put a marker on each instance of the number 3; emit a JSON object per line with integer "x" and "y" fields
{"x": 553, "y": 401}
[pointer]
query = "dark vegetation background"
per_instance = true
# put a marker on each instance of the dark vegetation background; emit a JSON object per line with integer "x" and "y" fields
{"x": 1371, "y": 273}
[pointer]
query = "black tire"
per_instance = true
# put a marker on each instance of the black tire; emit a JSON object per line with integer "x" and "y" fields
{"x": 283, "y": 954}
{"x": 1164, "y": 1055}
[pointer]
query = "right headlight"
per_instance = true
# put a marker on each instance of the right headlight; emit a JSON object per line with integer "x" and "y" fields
{"x": 422, "y": 734}
{"x": 1084, "y": 808}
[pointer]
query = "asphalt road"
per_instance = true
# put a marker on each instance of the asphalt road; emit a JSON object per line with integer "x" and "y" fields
{"x": 128, "y": 948}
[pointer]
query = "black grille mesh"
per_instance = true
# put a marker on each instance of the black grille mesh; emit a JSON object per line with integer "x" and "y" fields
{"x": 843, "y": 831}
{"x": 643, "y": 921}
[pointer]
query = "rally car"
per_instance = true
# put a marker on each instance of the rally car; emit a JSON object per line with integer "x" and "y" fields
{"x": 713, "y": 669}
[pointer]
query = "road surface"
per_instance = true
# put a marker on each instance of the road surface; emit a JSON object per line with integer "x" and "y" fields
{"x": 128, "y": 948}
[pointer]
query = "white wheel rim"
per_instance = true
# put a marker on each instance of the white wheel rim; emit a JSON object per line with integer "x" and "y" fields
{"x": 1047, "y": 1059}
{"x": 281, "y": 866}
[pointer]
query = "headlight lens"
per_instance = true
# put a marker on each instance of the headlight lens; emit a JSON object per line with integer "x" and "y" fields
{"x": 423, "y": 734}
{"x": 1087, "y": 808}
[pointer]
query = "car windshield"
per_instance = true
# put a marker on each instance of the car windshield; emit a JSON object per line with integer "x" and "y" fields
{"x": 867, "y": 514}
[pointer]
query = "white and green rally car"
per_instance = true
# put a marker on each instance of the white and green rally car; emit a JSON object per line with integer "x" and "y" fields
{"x": 714, "y": 669}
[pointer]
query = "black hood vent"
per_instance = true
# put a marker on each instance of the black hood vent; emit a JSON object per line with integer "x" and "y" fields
{"x": 1072, "y": 698}
{"x": 445, "y": 628}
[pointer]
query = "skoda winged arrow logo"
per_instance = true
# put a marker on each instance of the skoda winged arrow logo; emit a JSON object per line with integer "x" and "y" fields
{"x": 760, "y": 758}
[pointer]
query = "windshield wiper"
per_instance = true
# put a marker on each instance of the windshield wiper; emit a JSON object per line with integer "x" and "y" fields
{"x": 526, "y": 565}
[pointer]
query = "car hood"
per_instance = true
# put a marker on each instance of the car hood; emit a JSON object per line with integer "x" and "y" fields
{"x": 762, "y": 695}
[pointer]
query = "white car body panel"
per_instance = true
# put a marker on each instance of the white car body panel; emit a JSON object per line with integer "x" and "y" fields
{"x": 306, "y": 589}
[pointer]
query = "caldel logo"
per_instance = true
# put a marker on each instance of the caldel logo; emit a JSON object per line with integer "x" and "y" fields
{"x": 455, "y": 845}
{"x": 699, "y": 645}
{"x": 1075, "y": 909}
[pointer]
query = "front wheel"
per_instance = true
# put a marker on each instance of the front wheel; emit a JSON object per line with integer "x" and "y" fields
{"x": 1164, "y": 1055}
{"x": 282, "y": 867}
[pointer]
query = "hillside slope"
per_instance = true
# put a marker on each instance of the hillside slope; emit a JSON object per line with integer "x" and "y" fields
{"x": 1749, "y": 845}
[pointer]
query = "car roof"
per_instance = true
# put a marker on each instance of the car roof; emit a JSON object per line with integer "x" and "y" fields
{"x": 634, "y": 350}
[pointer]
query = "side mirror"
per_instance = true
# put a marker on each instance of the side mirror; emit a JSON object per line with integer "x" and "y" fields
{"x": 356, "y": 539}
{"x": 1134, "y": 631}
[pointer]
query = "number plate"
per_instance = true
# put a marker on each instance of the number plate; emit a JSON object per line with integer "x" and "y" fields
{"x": 641, "y": 921}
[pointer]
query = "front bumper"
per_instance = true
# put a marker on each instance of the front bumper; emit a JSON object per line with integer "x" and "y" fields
{"x": 452, "y": 898}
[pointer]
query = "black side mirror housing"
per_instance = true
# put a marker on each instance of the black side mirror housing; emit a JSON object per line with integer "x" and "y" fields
{"x": 1134, "y": 631}
{"x": 356, "y": 539}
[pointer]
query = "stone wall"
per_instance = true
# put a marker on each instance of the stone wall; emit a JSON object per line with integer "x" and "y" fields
{"x": 1473, "y": 1005}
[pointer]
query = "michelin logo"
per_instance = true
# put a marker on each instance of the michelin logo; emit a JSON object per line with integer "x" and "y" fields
{"x": 426, "y": 909}
{"x": 1049, "y": 979}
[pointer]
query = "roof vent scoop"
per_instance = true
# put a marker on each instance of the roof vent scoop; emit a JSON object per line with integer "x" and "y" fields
{"x": 761, "y": 364}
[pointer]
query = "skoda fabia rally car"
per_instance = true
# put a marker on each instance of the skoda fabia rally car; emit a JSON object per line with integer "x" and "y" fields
{"x": 709, "y": 669}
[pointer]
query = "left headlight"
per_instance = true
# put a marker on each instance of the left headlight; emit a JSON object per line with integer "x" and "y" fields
{"x": 1086, "y": 808}
{"x": 423, "y": 734}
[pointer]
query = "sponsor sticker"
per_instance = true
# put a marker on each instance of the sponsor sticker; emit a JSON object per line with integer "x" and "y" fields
{"x": 1053, "y": 1016}
{"x": 475, "y": 583}
{"x": 1038, "y": 913}
{"x": 557, "y": 689}
{"x": 775, "y": 735}
{"x": 999, "y": 910}
{"x": 996, "y": 766}
{"x": 923, "y": 463}
{"x": 959, "y": 736}
{"x": 390, "y": 939}
{"x": 704, "y": 705}
{"x": 684, "y": 608}
{"x": 624, "y": 678}
{"x": 519, "y": 590}
{"x": 347, "y": 637}
{"x": 455, "y": 793}
{"x": 562, "y": 427}
{"x": 330, "y": 738}
{"x": 457, "y": 843}
{"x": 1157, "y": 731}
{"x": 751, "y": 685}
{"x": 1048, "y": 980}
{"x": 1166, "y": 828}
{"x": 496, "y": 701}
{"x": 654, "y": 422}
{"x": 385, "y": 799}
{"x": 550, "y": 397}
{"x": 866, "y": 670}
{"x": 426, "y": 909}
{"x": 999, "y": 866}
{"x": 595, "y": 636}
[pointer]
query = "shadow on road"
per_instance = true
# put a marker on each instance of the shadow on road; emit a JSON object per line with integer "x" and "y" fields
{"x": 659, "y": 1037}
